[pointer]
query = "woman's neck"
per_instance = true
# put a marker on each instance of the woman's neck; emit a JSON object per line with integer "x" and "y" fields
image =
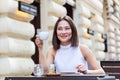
{"x": 65, "y": 43}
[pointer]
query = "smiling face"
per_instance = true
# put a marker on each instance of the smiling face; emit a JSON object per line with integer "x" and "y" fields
{"x": 64, "y": 32}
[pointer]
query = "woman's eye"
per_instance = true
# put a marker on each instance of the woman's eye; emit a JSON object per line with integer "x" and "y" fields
{"x": 67, "y": 28}
{"x": 59, "y": 28}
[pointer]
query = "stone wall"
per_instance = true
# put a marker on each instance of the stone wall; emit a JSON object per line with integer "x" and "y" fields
{"x": 16, "y": 47}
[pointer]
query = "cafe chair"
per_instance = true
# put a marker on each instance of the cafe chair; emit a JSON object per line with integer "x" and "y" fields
{"x": 111, "y": 68}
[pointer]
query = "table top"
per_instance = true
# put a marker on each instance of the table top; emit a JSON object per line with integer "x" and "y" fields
{"x": 63, "y": 77}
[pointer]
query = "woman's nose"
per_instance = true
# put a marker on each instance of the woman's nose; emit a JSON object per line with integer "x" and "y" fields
{"x": 63, "y": 31}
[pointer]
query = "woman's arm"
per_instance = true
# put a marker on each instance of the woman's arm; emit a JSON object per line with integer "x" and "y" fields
{"x": 42, "y": 59}
{"x": 45, "y": 61}
{"x": 91, "y": 59}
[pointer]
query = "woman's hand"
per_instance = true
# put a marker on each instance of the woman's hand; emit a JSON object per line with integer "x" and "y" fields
{"x": 81, "y": 68}
{"x": 39, "y": 42}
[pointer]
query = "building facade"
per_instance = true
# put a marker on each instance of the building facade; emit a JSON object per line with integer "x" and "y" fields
{"x": 97, "y": 22}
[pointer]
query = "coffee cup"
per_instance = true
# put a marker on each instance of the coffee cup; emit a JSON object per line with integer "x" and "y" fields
{"x": 43, "y": 35}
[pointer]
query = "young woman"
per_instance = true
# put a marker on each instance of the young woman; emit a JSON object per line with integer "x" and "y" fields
{"x": 67, "y": 54}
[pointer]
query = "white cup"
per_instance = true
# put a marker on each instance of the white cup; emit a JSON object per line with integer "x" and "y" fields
{"x": 43, "y": 35}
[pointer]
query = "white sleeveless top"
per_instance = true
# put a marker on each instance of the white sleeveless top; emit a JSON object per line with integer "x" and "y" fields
{"x": 67, "y": 58}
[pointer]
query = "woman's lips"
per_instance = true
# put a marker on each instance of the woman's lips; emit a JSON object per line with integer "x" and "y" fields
{"x": 63, "y": 37}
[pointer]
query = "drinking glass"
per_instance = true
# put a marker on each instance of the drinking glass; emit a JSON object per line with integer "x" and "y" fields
{"x": 38, "y": 70}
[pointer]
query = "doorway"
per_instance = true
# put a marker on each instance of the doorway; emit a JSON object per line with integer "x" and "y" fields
{"x": 36, "y": 23}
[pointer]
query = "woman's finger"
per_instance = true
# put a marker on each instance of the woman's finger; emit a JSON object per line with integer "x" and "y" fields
{"x": 81, "y": 68}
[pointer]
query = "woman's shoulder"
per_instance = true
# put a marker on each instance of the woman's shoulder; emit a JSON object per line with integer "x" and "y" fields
{"x": 83, "y": 46}
{"x": 84, "y": 49}
{"x": 51, "y": 51}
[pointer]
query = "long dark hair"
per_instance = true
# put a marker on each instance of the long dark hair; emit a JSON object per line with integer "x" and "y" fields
{"x": 74, "y": 39}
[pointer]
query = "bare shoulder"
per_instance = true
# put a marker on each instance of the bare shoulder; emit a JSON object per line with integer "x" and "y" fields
{"x": 51, "y": 51}
{"x": 85, "y": 50}
{"x": 50, "y": 55}
{"x": 83, "y": 47}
